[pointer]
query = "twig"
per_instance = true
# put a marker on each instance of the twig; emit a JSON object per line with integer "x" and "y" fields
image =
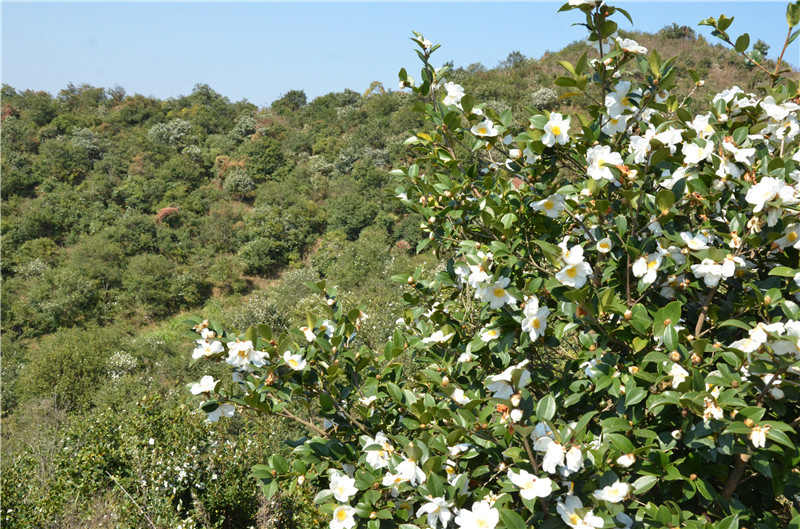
{"x": 289, "y": 415}
{"x": 134, "y": 501}
{"x": 706, "y": 305}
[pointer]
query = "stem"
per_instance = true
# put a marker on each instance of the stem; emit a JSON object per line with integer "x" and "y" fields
{"x": 134, "y": 501}
{"x": 735, "y": 476}
{"x": 706, "y": 305}
{"x": 289, "y": 415}
{"x": 785, "y": 45}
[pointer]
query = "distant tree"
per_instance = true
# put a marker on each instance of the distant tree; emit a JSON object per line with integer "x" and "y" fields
{"x": 292, "y": 101}
{"x": 674, "y": 31}
{"x": 513, "y": 60}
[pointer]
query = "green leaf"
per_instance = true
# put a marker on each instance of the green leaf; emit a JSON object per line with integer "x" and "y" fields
{"x": 793, "y": 14}
{"x": 644, "y": 483}
{"x": 783, "y": 271}
{"x": 546, "y": 408}
{"x": 742, "y": 43}
{"x": 731, "y": 522}
{"x": 665, "y": 199}
{"x": 512, "y": 520}
{"x": 323, "y": 496}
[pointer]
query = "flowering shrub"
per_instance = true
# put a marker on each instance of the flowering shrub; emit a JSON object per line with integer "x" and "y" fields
{"x": 612, "y": 342}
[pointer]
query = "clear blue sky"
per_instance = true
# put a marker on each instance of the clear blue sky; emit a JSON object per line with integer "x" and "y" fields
{"x": 260, "y": 50}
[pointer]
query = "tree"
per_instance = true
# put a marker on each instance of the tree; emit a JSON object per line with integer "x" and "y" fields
{"x": 611, "y": 337}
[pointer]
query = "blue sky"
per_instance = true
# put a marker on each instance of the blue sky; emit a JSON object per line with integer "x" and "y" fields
{"x": 260, "y": 50}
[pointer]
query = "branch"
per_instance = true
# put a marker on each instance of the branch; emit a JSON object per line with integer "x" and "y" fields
{"x": 289, "y": 415}
{"x": 735, "y": 476}
{"x": 134, "y": 501}
{"x": 706, "y": 305}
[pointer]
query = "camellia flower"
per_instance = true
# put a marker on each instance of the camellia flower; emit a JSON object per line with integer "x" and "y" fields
{"x": 791, "y": 237}
{"x": 411, "y": 472}
{"x": 294, "y": 361}
{"x": 709, "y": 271}
{"x": 242, "y": 353}
{"x": 574, "y": 275}
{"x": 552, "y": 206}
{"x": 695, "y": 242}
{"x": 343, "y": 487}
{"x": 481, "y": 516}
{"x": 530, "y": 485}
{"x": 556, "y": 130}
{"x": 496, "y": 294}
{"x": 484, "y": 129}
{"x": 631, "y": 46}
{"x": 438, "y": 511}
{"x": 678, "y": 374}
{"x": 343, "y": 517}
{"x": 626, "y": 460}
{"x": 758, "y": 435}
{"x": 393, "y": 481}
{"x": 379, "y": 458}
{"x": 613, "y": 493}
{"x": 764, "y": 191}
{"x": 206, "y": 348}
{"x": 206, "y": 385}
{"x": 712, "y": 411}
{"x": 502, "y": 385}
{"x": 454, "y": 94}
{"x": 554, "y": 454}
{"x": 459, "y": 397}
{"x": 535, "y": 321}
{"x": 223, "y": 410}
{"x": 568, "y": 509}
{"x": 646, "y": 267}
{"x": 487, "y": 335}
{"x": 309, "y": 334}
{"x": 617, "y": 102}
{"x": 598, "y": 159}
{"x": 437, "y": 337}
{"x": 604, "y": 245}
{"x": 694, "y": 153}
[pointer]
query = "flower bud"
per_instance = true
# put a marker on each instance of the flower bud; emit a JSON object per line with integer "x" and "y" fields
{"x": 445, "y": 382}
{"x": 301, "y": 480}
{"x": 675, "y": 356}
{"x": 749, "y": 422}
{"x": 410, "y": 280}
{"x": 431, "y": 220}
{"x": 633, "y": 370}
{"x": 677, "y": 435}
{"x": 735, "y": 384}
{"x": 515, "y": 399}
{"x": 696, "y": 358}
{"x": 628, "y": 315}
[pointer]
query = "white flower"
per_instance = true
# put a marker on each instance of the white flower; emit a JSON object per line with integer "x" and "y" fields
{"x": 554, "y": 454}
{"x": 502, "y": 385}
{"x": 379, "y": 458}
{"x": 459, "y": 397}
{"x": 206, "y": 385}
{"x": 481, "y": 516}
{"x": 646, "y": 267}
{"x": 437, "y": 337}
{"x": 343, "y": 517}
{"x": 393, "y": 481}
{"x": 740, "y": 155}
{"x": 626, "y": 460}
{"x": 709, "y": 271}
{"x": 631, "y": 46}
{"x": 695, "y": 242}
{"x": 568, "y": 511}
{"x": 309, "y": 334}
{"x": 614, "y": 125}
{"x": 465, "y": 357}
{"x": 598, "y": 158}
{"x": 764, "y": 191}
{"x": 487, "y": 335}
{"x": 484, "y": 129}
{"x": 791, "y": 237}
{"x": 327, "y": 327}
{"x": 343, "y": 487}
{"x": 454, "y": 94}
{"x": 552, "y": 206}
{"x": 367, "y": 401}
{"x": 640, "y": 145}
{"x": 206, "y": 348}
{"x": 530, "y": 485}
{"x": 294, "y": 361}
{"x": 535, "y": 321}
{"x": 573, "y": 460}
{"x": 670, "y": 138}
{"x": 604, "y": 245}
{"x": 556, "y": 130}
{"x": 574, "y": 275}
{"x": 678, "y": 375}
{"x": 495, "y": 294}
{"x": 613, "y": 493}
{"x": 242, "y": 353}
{"x": 694, "y": 153}
{"x": 410, "y": 471}
{"x": 151, "y": 441}
{"x": 223, "y": 410}
{"x": 758, "y": 435}
{"x": 572, "y": 255}
{"x": 438, "y": 511}
{"x": 712, "y": 411}
{"x": 617, "y": 102}
{"x": 477, "y": 276}
{"x": 701, "y": 125}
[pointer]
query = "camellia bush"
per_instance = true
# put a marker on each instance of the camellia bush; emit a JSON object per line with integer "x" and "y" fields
{"x": 611, "y": 339}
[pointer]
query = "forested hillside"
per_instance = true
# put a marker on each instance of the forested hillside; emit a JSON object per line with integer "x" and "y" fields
{"x": 121, "y": 214}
